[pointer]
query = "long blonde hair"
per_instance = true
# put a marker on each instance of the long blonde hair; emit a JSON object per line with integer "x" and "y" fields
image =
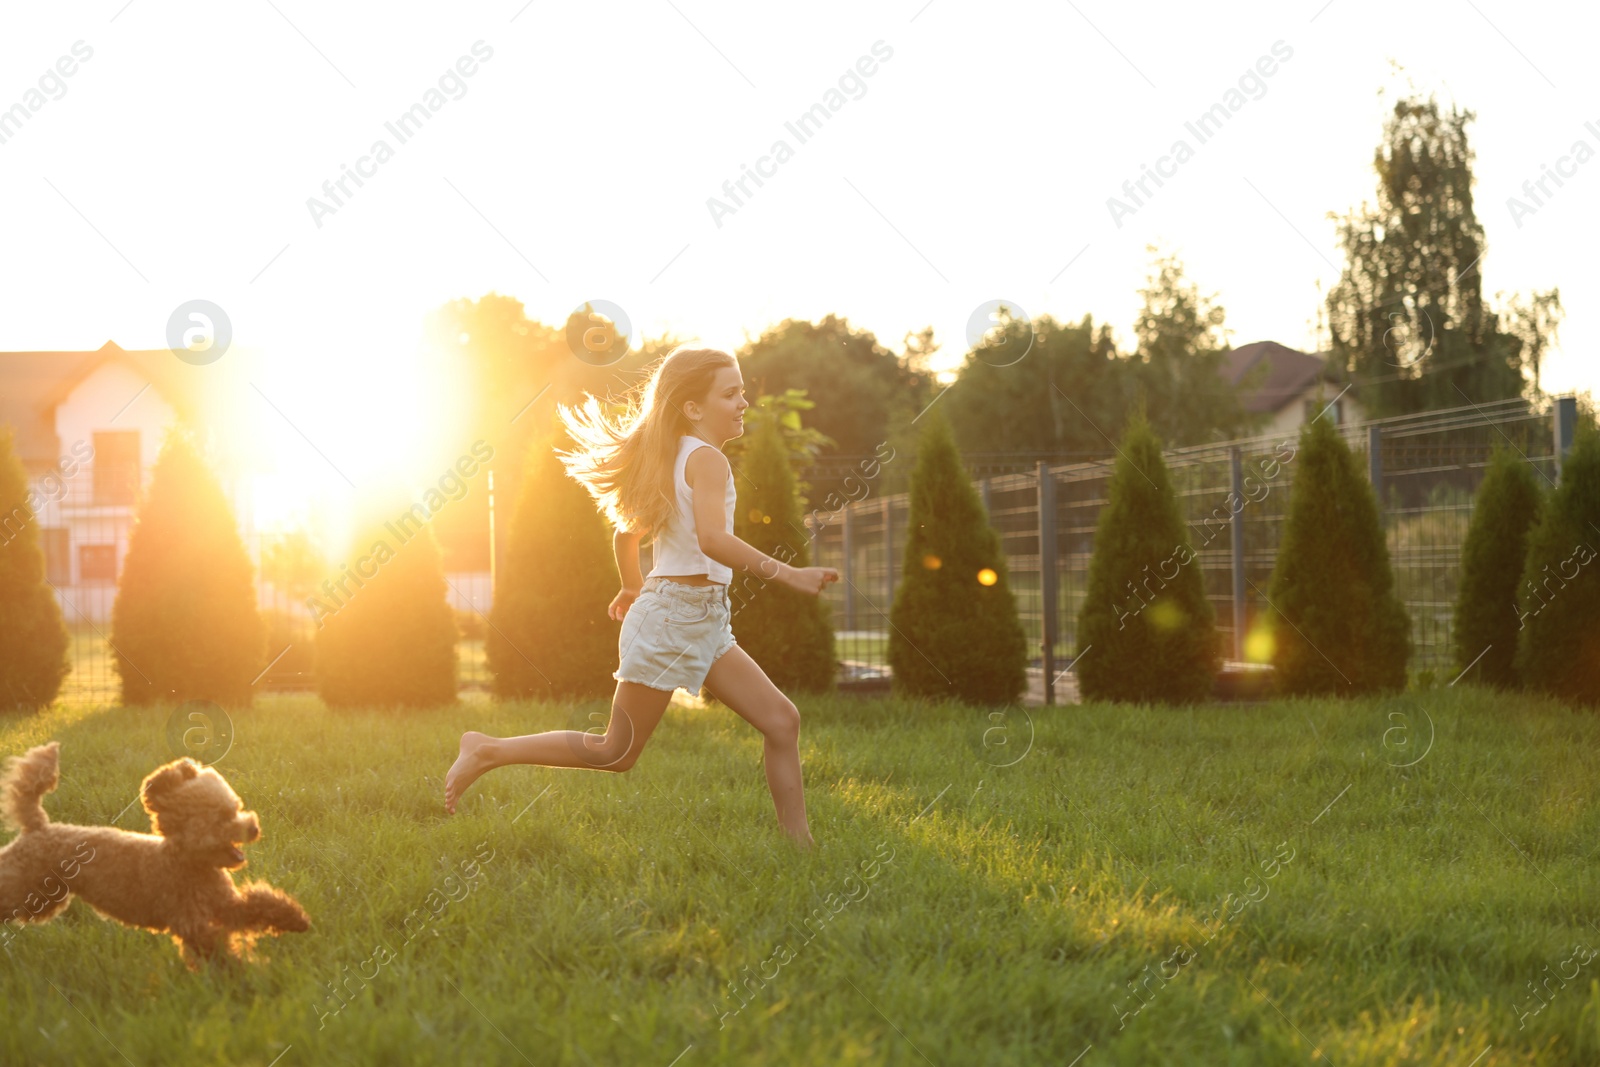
{"x": 626, "y": 462}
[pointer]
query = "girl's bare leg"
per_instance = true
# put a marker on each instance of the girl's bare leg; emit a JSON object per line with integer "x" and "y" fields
{"x": 739, "y": 682}
{"x": 635, "y": 711}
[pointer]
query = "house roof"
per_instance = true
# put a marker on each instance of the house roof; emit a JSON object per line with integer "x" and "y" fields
{"x": 1270, "y": 376}
{"x": 33, "y": 384}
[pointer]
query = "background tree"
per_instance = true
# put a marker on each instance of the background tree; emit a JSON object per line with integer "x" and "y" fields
{"x": 919, "y": 347}
{"x": 954, "y": 627}
{"x": 1337, "y": 625}
{"x": 1041, "y": 405}
{"x": 864, "y": 393}
{"x": 801, "y": 444}
{"x": 497, "y": 351}
{"x": 1485, "y": 623}
{"x": 1558, "y": 646}
{"x": 784, "y": 630}
{"x": 506, "y": 359}
{"x": 1535, "y": 321}
{"x": 549, "y": 636}
{"x": 1181, "y": 342}
{"x": 184, "y": 625}
{"x": 392, "y": 642}
{"x": 1053, "y": 390}
{"x": 1146, "y": 631}
{"x": 33, "y": 637}
{"x": 1407, "y": 318}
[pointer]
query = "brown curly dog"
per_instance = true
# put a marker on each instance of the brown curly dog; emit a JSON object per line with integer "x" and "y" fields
{"x": 173, "y": 881}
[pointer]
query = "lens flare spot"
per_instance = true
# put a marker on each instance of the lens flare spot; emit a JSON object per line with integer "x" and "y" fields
{"x": 1259, "y": 646}
{"x": 1165, "y": 615}
{"x": 987, "y": 576}
{"x": 932, "y": 562}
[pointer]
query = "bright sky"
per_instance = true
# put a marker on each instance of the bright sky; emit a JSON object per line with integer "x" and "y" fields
{"x": 973, "y": 163}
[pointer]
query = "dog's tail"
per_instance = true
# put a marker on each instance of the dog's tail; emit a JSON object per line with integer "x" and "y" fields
{"x": 27, "y": 779}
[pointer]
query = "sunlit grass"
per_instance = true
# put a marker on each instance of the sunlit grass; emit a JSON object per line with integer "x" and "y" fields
{"x": 1025, "y": 915}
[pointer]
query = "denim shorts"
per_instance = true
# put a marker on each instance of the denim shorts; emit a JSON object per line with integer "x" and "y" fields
{"x": 672, "y": 634}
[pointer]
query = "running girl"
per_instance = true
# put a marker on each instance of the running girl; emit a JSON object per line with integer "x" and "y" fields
{"x": 660, "y": 468}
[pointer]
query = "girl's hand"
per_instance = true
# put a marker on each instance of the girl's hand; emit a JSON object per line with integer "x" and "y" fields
{"x": 811, "y": 579}
{"x": 621, "y": 603}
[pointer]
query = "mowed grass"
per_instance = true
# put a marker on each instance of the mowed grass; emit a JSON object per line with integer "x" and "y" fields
{"x": 957, "y": 911}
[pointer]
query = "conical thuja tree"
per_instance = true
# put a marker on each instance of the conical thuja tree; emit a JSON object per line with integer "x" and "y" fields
{"x": 386, "y": 634}
{"x": 1486, "y": 620}
{"x": 550, "y": 636}
{"x": 955, "y": 629}
{"x": 185, "y": 624}
{"x": 33, "y": 638}
{"x": 1337, "y": 625}
{"x": 784, "y": 630}
{"x": 1558, "y": 646}
{"x": 1146, "y": 631}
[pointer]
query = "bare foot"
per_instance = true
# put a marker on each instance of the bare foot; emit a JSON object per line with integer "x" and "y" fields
{"x": 469, "y": 764}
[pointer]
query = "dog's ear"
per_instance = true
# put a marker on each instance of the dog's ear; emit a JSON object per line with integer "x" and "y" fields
{"x": 161, "y": 781}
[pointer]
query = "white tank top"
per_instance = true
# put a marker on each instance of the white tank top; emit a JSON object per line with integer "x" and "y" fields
{"x": 676, "y": 548}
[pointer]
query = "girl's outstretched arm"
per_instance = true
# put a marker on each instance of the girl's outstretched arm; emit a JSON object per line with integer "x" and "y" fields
{"x": 711, "y": 473}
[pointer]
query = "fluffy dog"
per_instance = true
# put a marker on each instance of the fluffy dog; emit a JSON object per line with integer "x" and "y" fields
{"x": 173, "y": 881}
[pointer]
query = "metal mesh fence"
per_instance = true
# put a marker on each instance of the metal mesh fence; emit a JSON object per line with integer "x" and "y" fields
{"x": 1426, "y": 468}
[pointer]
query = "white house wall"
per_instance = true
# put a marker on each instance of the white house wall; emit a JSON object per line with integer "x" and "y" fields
{"x": 112, "y": 391}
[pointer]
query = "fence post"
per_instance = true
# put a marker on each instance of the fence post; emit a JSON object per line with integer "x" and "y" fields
{"x": 1047, "y": 578}
{"x": 844, "y": 569}
{"x": 1236, "y": 524}
{"x": 888, "y": 548}
{"x": 1566, "y": 416}
{"x": 1375, "y": 462}
{"x": 988, "y": 507}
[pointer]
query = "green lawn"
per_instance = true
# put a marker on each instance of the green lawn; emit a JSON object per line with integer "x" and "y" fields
{"x": 957, "y": 912}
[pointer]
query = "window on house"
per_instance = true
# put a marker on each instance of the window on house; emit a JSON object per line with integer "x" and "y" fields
{"x": 97, "y": 563}
{"x": 116, "y": 467}
{"x": 57, "y": 556}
